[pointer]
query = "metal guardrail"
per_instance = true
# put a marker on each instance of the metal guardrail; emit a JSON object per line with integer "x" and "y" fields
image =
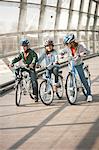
{"x": 9, "y": 85}
{"x": 8, "y": 54}
{"x": 44, "y": 31}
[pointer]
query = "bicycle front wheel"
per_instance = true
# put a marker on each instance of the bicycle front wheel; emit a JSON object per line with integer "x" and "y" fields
{"x": 60, "y": 87}
{"x": 18, "y": 93}
{"x": 46, "y": 92}
{"x": 71, "y": 89}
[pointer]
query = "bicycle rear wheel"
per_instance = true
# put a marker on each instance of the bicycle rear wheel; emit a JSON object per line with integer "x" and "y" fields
{"x": 46, "y": 92}
{"x": 71, "y": 89}
{"x": 60, "y": 87}
{"x": 18, "y": 93}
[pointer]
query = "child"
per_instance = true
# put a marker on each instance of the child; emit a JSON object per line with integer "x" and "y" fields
{"x": 51, "y": 59}
{"x": 29, "y": 58}
{"x": 76, "y": 51}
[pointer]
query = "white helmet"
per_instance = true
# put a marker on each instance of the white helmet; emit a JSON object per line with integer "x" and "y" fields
{"x": 69, "y": 38}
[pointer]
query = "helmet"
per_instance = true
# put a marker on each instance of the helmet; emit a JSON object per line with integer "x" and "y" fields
{"x": 24, "y": 42}
{"x": 69, "y": 38}
{"x": 49, "y": 42}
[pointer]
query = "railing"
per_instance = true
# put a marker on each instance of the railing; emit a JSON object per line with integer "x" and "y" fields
{"x": 9, "y": 41}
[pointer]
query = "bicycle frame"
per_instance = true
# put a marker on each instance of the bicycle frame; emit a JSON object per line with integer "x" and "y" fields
{"x": 74, "y": 72}
{"x": 73, "y": 83}
{"x": 52, "y": 79}
{"x": 48, "y": 88}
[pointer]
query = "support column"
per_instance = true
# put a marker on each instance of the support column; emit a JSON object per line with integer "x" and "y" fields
{"x": 94, "y": 27}
{"x": 57, "y": 20}
{"x": 70, "y": 14}
{"x": 80, "y": 16}
{"x": 88, "y": 18}
{"x": 41, "y": 19}
{"x": 22, "y": 16}
{"x": 22, "y": 19}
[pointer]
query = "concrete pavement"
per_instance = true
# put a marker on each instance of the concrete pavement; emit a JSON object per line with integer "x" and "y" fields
{"x": 57, "y": 127}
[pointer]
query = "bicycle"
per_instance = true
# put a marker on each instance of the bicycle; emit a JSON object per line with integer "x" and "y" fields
{"x": 46, "y": 91}
{"x": 23, "y": 85}
{"x": 73, "y": 83}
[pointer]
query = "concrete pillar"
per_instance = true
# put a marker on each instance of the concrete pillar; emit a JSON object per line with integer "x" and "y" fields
{"x": 87, "y": 23}
{"x": 22, "y": 16}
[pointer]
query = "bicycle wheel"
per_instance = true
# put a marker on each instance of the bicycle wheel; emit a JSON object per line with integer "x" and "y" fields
{"x": 46, "y": 92}
{"x": 18, "y": 93}
{"x": 87, "y": 76}
{"x": 60, "y": 88}
{"x": 71, "y": 89}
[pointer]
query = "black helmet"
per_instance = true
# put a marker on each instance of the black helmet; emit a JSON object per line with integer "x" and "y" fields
{"x": 24, "y": 42}
{"x": 69, "y": 38}
{"x": 49, "y": 42}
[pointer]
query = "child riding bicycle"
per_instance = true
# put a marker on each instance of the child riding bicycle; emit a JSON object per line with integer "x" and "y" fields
{"x": 75, "y": 51}
{"x": 29, "y": 58}
{"x": 51, "y": 59}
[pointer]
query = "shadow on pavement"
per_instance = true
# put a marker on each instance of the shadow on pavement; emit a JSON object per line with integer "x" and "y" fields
{"x": 90, "y": 138}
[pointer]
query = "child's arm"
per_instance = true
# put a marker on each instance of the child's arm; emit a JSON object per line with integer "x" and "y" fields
{"x": 40, "y": 59}
{"x": 16, "y": 59}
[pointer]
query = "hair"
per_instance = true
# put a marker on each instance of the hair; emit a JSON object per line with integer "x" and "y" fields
{"x": 75, "y": 43}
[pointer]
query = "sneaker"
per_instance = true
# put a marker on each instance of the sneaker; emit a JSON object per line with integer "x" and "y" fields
{"x": 89, "y": 98}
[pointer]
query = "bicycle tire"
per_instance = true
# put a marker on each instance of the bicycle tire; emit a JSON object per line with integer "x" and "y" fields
{"x": 60, "y": 90}
{"x": 18, "y": 89}
{"x": 43, "y": 93}
{"x": 74, "y": 89}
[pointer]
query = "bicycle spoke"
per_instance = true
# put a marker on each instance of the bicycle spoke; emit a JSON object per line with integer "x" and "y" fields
{"x": 46, "y": 93}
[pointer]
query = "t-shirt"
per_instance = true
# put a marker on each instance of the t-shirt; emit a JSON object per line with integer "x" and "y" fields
{"x": 73, "y": 50}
